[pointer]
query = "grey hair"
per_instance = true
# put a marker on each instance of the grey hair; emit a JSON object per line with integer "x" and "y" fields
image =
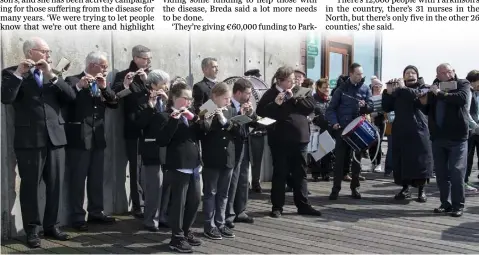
{"x": 30, "y": 44}
{"x": 95, "y": 57}
{"x": 443, "y": 65}
{"x": 206, "y": 61}
{"x": 158, "y": 77}
{"x": 138, "y": 50}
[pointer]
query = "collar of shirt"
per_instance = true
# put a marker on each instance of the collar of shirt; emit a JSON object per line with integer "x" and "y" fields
{"x": 279, "y": 89}
{"x": 236, "y": 104}
{"x": 210, "y": 79}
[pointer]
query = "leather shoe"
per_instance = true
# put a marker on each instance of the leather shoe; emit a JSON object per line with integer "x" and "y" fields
{"x": 56, "y": 233}
{"x": 80, "y": 226}
{"x": 456, "y": 213}
{"x": 246, "y": 219}
{"x": 104, "y": 219}
{"x": 443, "y": 209}
{"x": 309, "y": 211}
{"x": 33, "y": 241}
{"x": 334, "y": 195}
{"x": 355, "y": 194}
{"x": 230, "y": 224}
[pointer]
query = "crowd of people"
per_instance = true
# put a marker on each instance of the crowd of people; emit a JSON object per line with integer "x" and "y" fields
{"x": 172, "y": 142}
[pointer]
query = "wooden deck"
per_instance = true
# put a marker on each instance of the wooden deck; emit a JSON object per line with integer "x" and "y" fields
{"x": 376, "y": 224}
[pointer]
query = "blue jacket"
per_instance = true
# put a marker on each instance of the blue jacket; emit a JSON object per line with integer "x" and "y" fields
{"x": 343, "y": 108}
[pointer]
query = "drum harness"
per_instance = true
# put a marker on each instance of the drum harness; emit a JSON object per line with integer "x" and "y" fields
{"x": 378, "y": 148}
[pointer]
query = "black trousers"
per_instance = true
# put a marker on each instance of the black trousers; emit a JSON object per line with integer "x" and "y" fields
{"x": 85, "y": 165}
{"x": 34, "y": 165}
{"x": 257, "y": 148}
{"x": 186, "y": 194}
{"x": 472, "y": 146}
{"x": 136, "y": 192}
{"x": 289, "y": 158}
{"x": 323, "y": 166}
{"x": 343, "y": 153}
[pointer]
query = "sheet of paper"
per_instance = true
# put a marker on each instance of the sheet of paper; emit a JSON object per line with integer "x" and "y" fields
{"x": 326, "y": 145}
{"x": 62, "y": 64}
{"x": 241, "y": 119}
{"x": 448, "y": 85}
{"x": 208, "y": 107}
{"x": 266, "y": 121}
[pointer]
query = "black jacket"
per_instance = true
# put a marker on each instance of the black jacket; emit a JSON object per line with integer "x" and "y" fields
{"x": 180, "y": 140}
{"x": 38, "y": 111}
{"x": 321, "y": 104}
{"x": 85, "y": 127}
{"x": 149, "y": 121}
{"x": 201, "y": 93}
{"x": 455, "y": 125}
{"x": 218, "y": 142}
{"x": 138, "y": 89}
{"x": 291, "y": 117}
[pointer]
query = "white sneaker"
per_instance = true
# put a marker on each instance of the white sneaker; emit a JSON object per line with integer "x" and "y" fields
{"x": 378, "y": 169}
{"x": 469, "y": 189}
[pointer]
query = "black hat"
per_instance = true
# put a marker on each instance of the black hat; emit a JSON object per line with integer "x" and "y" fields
{"x": 253, "y": 72}
{"x": 410, "y": 67}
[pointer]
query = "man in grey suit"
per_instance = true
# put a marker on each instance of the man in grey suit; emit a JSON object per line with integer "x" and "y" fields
{"x": 238, "y": 190}
{"x": 38, "y": 95}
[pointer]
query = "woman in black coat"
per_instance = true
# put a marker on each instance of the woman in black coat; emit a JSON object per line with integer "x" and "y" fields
{"x": 411, "y": 151}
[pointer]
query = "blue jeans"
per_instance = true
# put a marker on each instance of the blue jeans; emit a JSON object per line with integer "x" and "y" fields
{"x": 450, "y": 161}
{"x": 389, "y": 156}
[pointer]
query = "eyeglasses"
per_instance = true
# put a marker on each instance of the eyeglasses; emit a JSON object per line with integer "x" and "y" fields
{"x": 102, "y": 66}
{"x": 43, "y": 51}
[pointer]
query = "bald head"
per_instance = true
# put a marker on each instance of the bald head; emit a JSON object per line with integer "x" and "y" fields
{"x": 36, "y": 48}
{"x": 445, "y": 72}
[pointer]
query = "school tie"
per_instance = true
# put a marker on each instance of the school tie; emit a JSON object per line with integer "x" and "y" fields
{"x": 94, "y": 88}
{"x": 37, "y": 75}
{"x": 159, "y": 104}
{"x": 183, "y": 118}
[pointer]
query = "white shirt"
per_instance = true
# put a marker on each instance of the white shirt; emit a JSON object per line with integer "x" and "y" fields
{"x": 214, "y": 81}
{"x": 236, "y": 104}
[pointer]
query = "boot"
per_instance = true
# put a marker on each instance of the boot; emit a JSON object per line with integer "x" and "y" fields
{"x": 403, "y": 194}
{"x": 421, "y": 195}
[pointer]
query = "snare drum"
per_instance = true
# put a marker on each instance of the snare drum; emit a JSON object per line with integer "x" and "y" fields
{"x": 313, "y": 144}
{"x": 360, "y": 134}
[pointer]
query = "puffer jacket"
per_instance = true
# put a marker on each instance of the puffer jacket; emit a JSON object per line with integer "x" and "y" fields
{"x": 344, "y": 105}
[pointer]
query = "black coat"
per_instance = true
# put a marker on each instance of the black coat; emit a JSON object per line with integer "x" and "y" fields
{"x": 292, "y": 124}
{"x": 456, "y": 115}
{"x": 39, "y": 118}
{"x": 85, "y": 128}
{"x": 218, "y": 142}
{"x": 201, "y": 93}
{"x": 320, "y": 112}
{"x": 180, "y": 140}
{"x": 411, "y": 151}
{"x": 149, "y": 121}
{"x": 138, "y": 89}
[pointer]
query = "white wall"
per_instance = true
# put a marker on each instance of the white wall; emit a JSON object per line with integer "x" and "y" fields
{"x": 427, "y": 48}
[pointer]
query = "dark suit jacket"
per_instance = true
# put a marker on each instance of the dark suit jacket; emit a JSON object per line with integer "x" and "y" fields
{"x": 138, "y": 89}
{"x": 218, "y": 142}
{"x": 201, "y": 93}
{"x": 85, "y": 127}
{"x": 241, "y": 139}
{"x": 38, "y": 115}
{"x": 180, "y": 140}
{"x": 149, "y": 121}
